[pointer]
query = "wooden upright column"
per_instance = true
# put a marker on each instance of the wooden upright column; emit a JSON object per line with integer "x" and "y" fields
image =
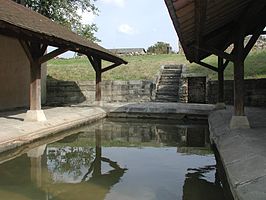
{"x": 98, "y": 70}
{"x": 220, "y": 80}
{"x": 35, "y": 86}
{"x": 239, "y": 78}
{"x": 239, "y": 120}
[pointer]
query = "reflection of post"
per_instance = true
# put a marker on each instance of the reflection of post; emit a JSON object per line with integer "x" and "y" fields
{"x": 97, "y": 161}
{"x": 35, "y": 156}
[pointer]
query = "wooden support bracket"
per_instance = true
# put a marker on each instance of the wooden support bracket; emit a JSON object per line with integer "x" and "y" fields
{"x": 207, "y": 66}
{"x": 110, "y": 67}
{"x": 217, "y": 52}
{"x": 52, "y": 55}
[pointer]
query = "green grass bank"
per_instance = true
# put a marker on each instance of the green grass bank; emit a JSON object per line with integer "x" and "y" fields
{"x": 147, "y": 66}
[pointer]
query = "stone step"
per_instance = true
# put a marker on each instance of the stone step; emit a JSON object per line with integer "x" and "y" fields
{"x": 172, "y": 76}
{"x": 173, "y": 67}
{"x": 168, "y": 82}
{"x": 167, "y": 87}
{"x": 169, "y": 71}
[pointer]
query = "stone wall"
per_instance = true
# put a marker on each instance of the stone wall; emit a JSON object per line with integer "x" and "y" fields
{"x": 72, "y": 92}
{"x": 255, "y": 92}
{"x": 193, "y": 89}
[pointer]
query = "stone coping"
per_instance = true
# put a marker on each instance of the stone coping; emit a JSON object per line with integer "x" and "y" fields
{"x": 242, "y": 152}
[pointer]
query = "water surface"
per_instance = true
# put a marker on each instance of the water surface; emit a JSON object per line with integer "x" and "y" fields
{"x": 117, "y": 159}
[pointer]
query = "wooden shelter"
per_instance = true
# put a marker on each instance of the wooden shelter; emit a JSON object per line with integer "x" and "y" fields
{"x": 35, "y": 33}
{"x": 207, "y": 27}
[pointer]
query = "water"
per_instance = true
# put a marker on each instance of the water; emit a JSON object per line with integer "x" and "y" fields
{"x": 116, "y": 159}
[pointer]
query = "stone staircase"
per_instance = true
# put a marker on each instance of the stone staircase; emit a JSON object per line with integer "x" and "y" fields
{"x": 167, "y": 86}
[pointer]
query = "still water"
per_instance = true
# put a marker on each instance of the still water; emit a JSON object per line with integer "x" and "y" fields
{"x": 116, "y": 160}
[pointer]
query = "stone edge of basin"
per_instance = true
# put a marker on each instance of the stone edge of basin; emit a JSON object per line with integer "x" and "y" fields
{"x": 50, "y": 131}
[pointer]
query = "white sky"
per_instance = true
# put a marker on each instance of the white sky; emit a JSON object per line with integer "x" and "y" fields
{"x": 132, "y": 23}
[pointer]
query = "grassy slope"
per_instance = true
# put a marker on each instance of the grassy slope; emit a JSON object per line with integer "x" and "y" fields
{"x": 255, "y": 66}
{"x": 147, "y": 66}
{"x": 139, "y": 67}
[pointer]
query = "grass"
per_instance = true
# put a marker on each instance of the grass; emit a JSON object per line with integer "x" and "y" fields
{"x": 138, "y": 67}
{"x": 255, "y": 66}
{"x": 147, "y": 66}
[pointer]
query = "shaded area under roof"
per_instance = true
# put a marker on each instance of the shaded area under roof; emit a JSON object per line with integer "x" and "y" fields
{"x": 207, "y": 26}
{"x": 23, "y": 23}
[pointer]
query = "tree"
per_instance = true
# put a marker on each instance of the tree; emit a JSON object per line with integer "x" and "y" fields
{"x": 160, "y": 48}
{"x": 67, "y": 13}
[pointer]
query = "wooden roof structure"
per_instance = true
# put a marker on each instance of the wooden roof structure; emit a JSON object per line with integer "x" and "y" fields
{"x": 206, "y": 27}
{"x": 209, "y": 27}
{"x": 21, "y": 22}
{"x": 35, "y": 33}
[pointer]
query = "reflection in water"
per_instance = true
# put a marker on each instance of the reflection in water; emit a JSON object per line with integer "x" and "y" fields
{"x": 115, "y": 159}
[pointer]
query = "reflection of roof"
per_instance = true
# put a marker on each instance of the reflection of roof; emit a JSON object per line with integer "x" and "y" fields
{"x": 128, "y": 50}
{"x": 201, "y": 23}
{"x": 19, "y": 21}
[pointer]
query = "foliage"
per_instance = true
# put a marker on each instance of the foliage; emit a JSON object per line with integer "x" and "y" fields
{"x": 67, "y": 13}
{"x": 160, "y": 48}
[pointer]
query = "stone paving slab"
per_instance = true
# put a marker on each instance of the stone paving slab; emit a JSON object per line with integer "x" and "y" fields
{"x": 243, "y": 152}
{"x": 16, "y": 132}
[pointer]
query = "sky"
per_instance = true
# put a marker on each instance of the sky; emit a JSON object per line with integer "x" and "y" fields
{"x": 132, "y": 23}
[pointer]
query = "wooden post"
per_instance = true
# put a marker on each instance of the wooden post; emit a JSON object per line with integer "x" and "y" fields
{"x": 35, "y": 86}
{"x": 239, "y": 120}
{"x": 239, "y": 78}
{"x": 220, "y": 80}
{"x": 98, "y": 70}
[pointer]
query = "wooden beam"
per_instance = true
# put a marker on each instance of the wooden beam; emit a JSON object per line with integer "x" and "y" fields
{"x": 110, "y": 67}
{"x": 217, "y": 52}
{"x": 220, "y": 80}
{"x": 98, "y": 92}
{"x": 225, "y": 64}
{"x": 200, "y": 16}
{"x": 26, "y": 49}
{"x": 92, "y": 62}
{"x": 253, "y": 39}
{"x": 207, "y": 66}
{"x": 35, "y": 86}
{"x": 43, "y": 49}
{"x": 52, "y": 55}
{"x": 239, "y": 77}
